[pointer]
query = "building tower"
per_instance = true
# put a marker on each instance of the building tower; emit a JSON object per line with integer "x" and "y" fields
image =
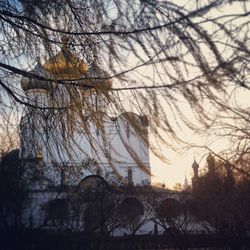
{"x": 113, "y": 144}
{"x": 185, "y": 184}
{"x": 195, "y": 178}
{"x": 210, "y": 163}
{"x": 230, "y": 181}
{"x": 33, "y": 123}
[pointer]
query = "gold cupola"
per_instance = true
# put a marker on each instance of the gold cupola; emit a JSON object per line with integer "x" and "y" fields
{"x": 96, "y": 78}
{"x": 65, "y": 65}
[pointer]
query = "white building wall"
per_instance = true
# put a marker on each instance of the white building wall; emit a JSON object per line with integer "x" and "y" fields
{"x": 114, "y": 146}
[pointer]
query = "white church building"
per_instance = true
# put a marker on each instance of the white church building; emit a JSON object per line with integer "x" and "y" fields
{"x": 56, "y": 152}
{"x": 117, "y": 145}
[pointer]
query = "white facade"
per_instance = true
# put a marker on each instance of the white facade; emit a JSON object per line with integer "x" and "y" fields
{"x": 125, "y": 151}
{"x": 60, "y": 147}
{"x": 108, "y": 146}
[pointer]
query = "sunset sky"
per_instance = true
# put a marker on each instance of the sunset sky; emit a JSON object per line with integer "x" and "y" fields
{"x": 181, "y": 162}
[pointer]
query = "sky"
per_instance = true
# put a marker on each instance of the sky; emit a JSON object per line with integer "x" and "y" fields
{"x": 180, "y": 163}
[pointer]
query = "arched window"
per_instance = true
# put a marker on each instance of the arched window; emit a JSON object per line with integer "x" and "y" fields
{"x": 98, "y": 171}
{"x": 130, "y": 176}
{"x": 131, "y": 210}
{"x": 92, "y": 218}
{"x": 57, "y": 210}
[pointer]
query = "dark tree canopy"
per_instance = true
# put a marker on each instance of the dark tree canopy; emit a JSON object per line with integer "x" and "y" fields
{"x": 148, "y": 55}
{"x": 221, "y": 202}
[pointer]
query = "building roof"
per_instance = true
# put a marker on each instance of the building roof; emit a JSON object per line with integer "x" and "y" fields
{"x": 195, "y": 164}
{"x": 65, "y": 65}
{"x": 96, "y": 78}
{"x": 28, "y": 83}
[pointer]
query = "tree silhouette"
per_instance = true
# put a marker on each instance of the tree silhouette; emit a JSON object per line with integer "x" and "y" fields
{"x": 221, "y": 201}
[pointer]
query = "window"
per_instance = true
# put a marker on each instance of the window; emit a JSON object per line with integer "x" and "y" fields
{"x": 130, "y": 176}
{"x": 98, "y": 171}
{"x": 57, "y": 210}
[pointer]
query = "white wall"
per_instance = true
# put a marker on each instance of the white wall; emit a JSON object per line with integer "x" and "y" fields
{"x": 116, "y": 147}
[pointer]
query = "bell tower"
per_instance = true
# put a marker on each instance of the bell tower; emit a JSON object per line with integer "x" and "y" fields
{"x": 195, "y": 178}
{"x": 32, "y": 124}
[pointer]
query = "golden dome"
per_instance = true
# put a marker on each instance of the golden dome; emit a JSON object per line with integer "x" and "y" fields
{"x": 65, "y": 65}
{"x": 96, "y": 78}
